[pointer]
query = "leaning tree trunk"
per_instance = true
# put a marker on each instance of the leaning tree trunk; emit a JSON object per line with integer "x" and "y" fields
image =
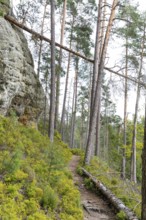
{"x": 96, "y": 103}
{"x": 60, "y": 63}
{"x": 52, "y": 94}
{"x": 133, "y": 155}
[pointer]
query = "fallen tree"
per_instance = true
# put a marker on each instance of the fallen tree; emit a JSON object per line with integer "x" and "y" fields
{"x": 13, "y": 21}
{"x": 117, "y": 203}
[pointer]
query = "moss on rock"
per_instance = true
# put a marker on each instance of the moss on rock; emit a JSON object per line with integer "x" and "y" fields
{"x": 4, "y": 7}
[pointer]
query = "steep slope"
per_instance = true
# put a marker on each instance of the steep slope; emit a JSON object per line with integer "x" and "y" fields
{"x": 35, "y": 183}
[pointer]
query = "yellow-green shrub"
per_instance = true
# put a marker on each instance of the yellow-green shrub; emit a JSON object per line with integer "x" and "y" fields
{"x": 35, "y": 183}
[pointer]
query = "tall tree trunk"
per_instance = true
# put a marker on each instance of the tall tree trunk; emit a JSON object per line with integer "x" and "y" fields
{"x": 74, "y": 107}
{"x": 133, "y": 155}
{"x": 103, "y": 19}
{"x": 60, "y": 63}
{"x": 65, "y": 96}
{"x": 40, "y": 54}
{"x": 95, "y": 71}
{"x": 96, "y": 54}
{"x": 45, "y": 107}
{"x": 123, "y": 170}
{"x": 52, "y": 94}
{"x": 66, "y": 85}
{"x": 67, "y": 112}
{"x": 96, "y": 102}
{"x": 41, "y": 41}
{"x": 89, "y": 102}
{"x": 101, "y": 34}
{"x": 97, "y": 140}
{"x": 82, "y": 127}
{"x": 143, "y": 211}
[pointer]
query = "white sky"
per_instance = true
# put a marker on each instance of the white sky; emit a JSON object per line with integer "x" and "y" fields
{"x": 142, "y": 5}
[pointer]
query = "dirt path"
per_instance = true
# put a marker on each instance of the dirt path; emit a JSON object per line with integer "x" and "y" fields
{"x": 95, "y": 208}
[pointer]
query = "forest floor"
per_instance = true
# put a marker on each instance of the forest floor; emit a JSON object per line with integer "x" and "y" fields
{"x": 94, "y": 206}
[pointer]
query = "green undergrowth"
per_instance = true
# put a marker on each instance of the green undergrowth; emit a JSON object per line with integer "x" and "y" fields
{"x": 128, "y": 192}
{"x": 35, "y": 183}
{"x": 78, "y": 152}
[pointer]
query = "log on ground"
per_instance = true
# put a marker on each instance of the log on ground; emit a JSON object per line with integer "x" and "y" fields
{"x": 117, "y": 203}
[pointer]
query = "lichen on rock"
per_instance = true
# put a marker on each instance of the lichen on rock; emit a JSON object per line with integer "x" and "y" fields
{"x": 20, "y": 88}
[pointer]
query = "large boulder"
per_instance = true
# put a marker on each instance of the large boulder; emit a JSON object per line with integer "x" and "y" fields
{"x": 20, "y": 89}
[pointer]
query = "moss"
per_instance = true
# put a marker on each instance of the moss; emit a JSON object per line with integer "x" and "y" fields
{"x": 5, "y": 2}
{"x": 77, "y": 151}
{"x": 88, "y": 183}
{"x": 121, "y": 215}
{"x": 1, "y": 13}
{"x": 1, "y": 102}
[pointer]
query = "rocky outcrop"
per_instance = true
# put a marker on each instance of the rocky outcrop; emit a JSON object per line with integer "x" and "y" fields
{"x": 20, "y": 89}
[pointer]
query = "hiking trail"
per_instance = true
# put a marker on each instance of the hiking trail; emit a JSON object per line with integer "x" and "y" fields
{"x": 94, "y": 206}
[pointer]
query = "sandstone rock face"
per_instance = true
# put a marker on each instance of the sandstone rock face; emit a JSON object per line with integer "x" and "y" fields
{"x": 20, "y": 89}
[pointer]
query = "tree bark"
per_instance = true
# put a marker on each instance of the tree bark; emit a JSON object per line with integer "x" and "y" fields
{"x": 89, "y": 102}
{"x": 103, "y": 19}
{"x": 96, "y": 103}
{"x": 60, "y": 63}
{"x": 45, "y": 107}
{"x": 96, "y": 54}
{"x": 97, "y": 140}
{"x": 52, "y": 94}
